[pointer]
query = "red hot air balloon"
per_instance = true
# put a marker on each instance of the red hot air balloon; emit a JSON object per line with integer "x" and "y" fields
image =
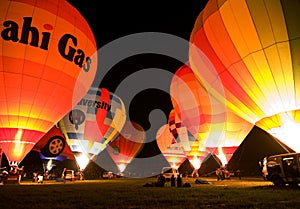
{"x": 46, "y": 67}
{"x": 127, "y": 144}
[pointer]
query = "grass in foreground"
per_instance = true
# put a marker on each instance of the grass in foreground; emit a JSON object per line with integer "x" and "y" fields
{"x": 130, "y": 193}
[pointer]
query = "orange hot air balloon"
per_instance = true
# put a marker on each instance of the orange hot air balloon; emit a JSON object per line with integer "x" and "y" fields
{"x": 127, "y": 144}
{"x": 217, "y": 127}
{"x": 47, "y": 63}
{"x": 171, "y": 150}
{"x": 246, "y": 53}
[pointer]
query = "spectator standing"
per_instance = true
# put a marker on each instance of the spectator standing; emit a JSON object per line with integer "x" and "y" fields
{"x": 179, "y": 181}
{"x": 63, "y": 175}
{"x": 172, "y": 180}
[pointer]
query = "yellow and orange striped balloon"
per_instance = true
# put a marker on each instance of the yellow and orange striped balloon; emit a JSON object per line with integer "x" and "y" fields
{"x": 247, "y": 54}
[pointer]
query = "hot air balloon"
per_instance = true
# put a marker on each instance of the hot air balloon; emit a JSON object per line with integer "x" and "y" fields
{"x": 246, "y": 53}
{"x": 218, "y": 129}
{"x": 127, "y": 145}
{"x": 194, "y": 150}
{"x": 47, "y": 64}
{"x": 172, "y": 151}
{"x": 93, "y": 123}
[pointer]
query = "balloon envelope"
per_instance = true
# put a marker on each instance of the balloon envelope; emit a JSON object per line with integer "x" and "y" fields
{"x": 93, "y": 123}
{"x": 247, "y": 54}
{"x": 127, "y": 144}
{"x": 45, "y": 63}
{"x": 217, "y": 126}
{"x": 172, "y": 151}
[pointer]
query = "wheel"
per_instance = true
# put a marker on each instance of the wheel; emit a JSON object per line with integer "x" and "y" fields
{"x": 54, "y": 147}
{"x": 277, "y": 181}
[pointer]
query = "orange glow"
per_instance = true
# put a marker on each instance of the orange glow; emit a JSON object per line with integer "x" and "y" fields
{"x": 287, "y": 129}
{"x": 19, "y": 146}
{"x": 245, "y": 54}
{"x": 39, "y": 80}
{"x": 222, "y": 156}
{"x": 195, "y": 161}
{"x": 82, "y": 160}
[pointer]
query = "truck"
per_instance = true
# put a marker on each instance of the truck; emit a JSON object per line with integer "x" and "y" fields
{"x": 282, "y": 169}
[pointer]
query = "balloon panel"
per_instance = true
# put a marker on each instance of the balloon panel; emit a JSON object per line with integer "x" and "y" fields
{"x": 40, "y": 75}
{"x": 190, "y": 102}
{"x": 164, "y": 138}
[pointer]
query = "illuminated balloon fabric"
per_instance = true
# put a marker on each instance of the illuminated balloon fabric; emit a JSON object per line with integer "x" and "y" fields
{"x": 253, "y": 48}
{"x": 53, "y": 145}
{"x": 194, "y": 149}
{"x": 181, "y": 134}
{"x": 45, "y": 50}
{"x": 217, "y": 126}
{"x": 173, "y": 152}
{"x": 94, "y": 122}
{"x": 191, "y": 103}
{"x": 127, "y": 144}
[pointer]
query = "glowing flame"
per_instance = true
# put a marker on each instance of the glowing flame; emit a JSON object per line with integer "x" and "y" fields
{"x": 196, "y": 162}
{"x": 222, "y": 156}
{"x": 173, "y": 165}
{"x": 288, "y": 133}
{"x": 121, "y": 167}
{"x": 49, "y": 165}
{"x": 19, "y": 146}
{"x": 82, "y": 160}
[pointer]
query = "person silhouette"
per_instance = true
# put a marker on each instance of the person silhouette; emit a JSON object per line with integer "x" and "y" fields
{"x": 179, "y": 181}
{"x": 172, "y": 180}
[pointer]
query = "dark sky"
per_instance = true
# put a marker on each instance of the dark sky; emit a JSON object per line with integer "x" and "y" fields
{"x": 111, "y": 20}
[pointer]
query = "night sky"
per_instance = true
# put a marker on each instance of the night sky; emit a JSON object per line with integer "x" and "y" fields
{"x": 110, "y": 20}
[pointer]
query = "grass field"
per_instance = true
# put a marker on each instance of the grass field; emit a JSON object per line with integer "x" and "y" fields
{"x": 130, "y": 194}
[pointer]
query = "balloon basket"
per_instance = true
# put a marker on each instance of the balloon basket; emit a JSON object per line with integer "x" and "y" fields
{"x": 12, "y": 179}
